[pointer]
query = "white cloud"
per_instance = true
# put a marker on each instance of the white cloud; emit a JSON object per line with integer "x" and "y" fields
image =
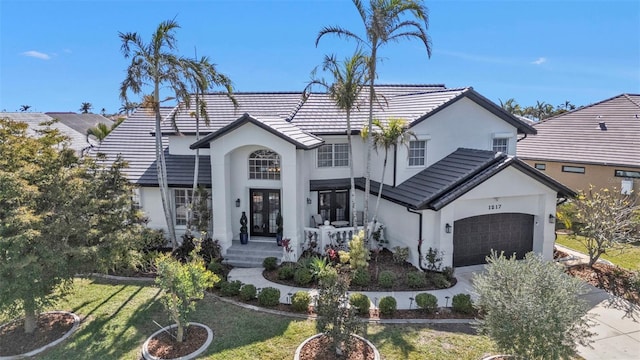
{"x": 539, "y": 61}
{"x": 475, "y": 57}
{"x": 36, "y": 54}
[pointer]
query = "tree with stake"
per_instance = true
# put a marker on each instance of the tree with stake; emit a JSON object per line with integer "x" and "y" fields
{"x": 384, "y": 22}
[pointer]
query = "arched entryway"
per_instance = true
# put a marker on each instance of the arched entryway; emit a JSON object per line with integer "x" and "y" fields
{"x": 475, "y": 237}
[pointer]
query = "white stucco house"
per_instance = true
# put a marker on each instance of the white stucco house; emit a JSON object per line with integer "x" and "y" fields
{"x": 457, "y": 186}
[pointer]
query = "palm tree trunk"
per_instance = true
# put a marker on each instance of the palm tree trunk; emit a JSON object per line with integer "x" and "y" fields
{"x": 367, "y": 184}
{"x": 354, "y": 216}
{"x": 161, "y": 168}
{"x": 384, "y": 169}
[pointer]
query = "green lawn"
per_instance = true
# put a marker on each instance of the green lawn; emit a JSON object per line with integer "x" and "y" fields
{"x": 627, "y": 256}
{"x": 119, "y": 317}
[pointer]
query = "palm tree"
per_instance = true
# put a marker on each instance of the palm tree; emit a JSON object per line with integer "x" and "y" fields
{"x": 85, "y": 107}
{"x": 128, "y": 107}
{"x": 100, "y": 131}
{"x": 349, "y": 78}
{"x": 395, "y": 132}
{"x": 202, "y": 76}
{"x": 511, "y": 106}
{"x": 384, "y": 21}
{"x": 24, "y": 108}
{"x": 155, "y": 63}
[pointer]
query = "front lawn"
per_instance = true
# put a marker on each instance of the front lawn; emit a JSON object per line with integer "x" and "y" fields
{"x": 627, "y": 256}
{"x": 118, "y": 317}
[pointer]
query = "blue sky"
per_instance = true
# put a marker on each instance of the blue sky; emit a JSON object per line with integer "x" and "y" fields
{"x": 57, "y": 54}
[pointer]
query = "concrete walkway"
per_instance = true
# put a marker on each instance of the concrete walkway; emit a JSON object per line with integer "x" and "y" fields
{"x": 615, "y": 321}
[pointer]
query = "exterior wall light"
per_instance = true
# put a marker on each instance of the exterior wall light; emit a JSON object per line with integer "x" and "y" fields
{"x": 308, "y": 201}
{"x": 552, "y": 219}
{"x": 447, "y": 228}
{"x": 238, "y": 202}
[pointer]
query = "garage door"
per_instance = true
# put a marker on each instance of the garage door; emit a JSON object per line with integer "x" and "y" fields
{"x": 475, "y": 237}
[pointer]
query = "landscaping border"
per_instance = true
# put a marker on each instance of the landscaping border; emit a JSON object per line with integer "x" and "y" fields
{"x": 193, "y": 355}
{"x": 76, "y": 324}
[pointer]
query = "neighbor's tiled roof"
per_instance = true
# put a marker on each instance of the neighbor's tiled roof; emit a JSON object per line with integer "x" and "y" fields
{"x": 80, "y": 122}
{"x": 577, "y": 136}
{"x": 77, "y": 140}
{"x": 133, "y": 141}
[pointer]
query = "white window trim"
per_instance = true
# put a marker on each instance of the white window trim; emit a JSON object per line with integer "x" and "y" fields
{"x": 501, "y": 135}
{"x": 426, "y": 147}
{"x": 333, "y": 157}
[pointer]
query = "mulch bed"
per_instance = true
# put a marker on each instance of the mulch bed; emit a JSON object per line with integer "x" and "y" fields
{"x": 50, "y": 327}
{"x": 164, "y": 345}
{"x": 382, "y": 261}
{"x": 611, "y": 278}
{"x": 320, "y": 349}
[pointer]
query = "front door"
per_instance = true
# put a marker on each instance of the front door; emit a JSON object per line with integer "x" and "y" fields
{"x": 265, "y": 206}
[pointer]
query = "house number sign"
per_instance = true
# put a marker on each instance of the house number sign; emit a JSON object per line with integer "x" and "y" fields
{"x": 495, "y": 206}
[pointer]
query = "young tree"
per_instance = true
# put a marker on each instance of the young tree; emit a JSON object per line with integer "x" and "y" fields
{"x": 349, "y": 78}
{"x": 532, "y": 309}
{"x": 155, "y": 63}
{"x": 386, "y": 136}
{"x": 384, "y": 21}
{"x": 183, "y": 284}
{"x": 605, "y": 219}
{"x": 60, "y": 216}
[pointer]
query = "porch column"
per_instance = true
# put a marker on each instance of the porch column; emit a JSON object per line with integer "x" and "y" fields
{"x": 222, "y": 229}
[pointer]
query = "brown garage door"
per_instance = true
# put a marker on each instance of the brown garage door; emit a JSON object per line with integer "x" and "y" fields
{"x": 475, "y": 237}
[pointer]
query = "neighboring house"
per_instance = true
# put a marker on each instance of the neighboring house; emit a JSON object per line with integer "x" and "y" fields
{"x": 597, "y": 145}
{"x": 81, "y": 123}
{"x": 457, "y": 186}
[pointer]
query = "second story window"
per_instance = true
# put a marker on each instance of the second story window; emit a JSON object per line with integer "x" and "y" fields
{"x": 501, "y": 145}
{"x": 264, "y": 165}
{"x": 333, "y": 155}
{"x": 417, "y": 152}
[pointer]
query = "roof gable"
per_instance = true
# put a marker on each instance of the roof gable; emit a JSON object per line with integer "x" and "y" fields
{"x": 277, "y": 127}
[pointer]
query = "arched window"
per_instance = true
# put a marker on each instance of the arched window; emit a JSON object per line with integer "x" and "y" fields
{"x": 265, "y": 165}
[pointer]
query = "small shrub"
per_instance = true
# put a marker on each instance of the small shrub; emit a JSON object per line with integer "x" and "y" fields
{"x": 427, "y": 302}
{"x": 434, "y": 259}
{"x": 329, "y": 275}
{"x": 388, "y": 305}
{"x": 230, "y": 288}
{"x": 448, "y": 272}
{"x": 361, "y": 277}
{"x": 344, "y": 257}
{"x": 210, "y": 250}
{"x": 386, "y": 279}
{"x": 216, "y": 268}
{"x": 360, "y": 302}
{"x": 317, "y": 265}
{"x": 416, "y": 280}
{"x": 439, "y": 280}
{"x": 269, "y": 296}
{"x": 300, "y": 301}
{"x": 183, "y": 252}
{"x": 400, "y": 254}
{"x": 359, "y": 254}
{"x": 286, "y": 272}
{"x": 248, "y": 292}
{"x": 302, "y": 276}
{"x": 270, "y": 263}
{"x": 462, "y": 303}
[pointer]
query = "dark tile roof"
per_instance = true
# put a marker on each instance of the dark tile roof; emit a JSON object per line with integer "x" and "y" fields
{"x": 446, "y": 180}
{"x": 77, "y": 140}
{"x": 577, "y": 136}
{"x": 133, "y": 141}
{"x": 80, "y": 122}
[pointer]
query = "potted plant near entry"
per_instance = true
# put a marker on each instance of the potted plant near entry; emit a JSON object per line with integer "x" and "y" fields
{"x": 279, "y": 230}
{"x": 244, "y": 236}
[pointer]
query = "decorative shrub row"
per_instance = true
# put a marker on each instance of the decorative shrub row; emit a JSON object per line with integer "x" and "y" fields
{"x": 360, "y": 302}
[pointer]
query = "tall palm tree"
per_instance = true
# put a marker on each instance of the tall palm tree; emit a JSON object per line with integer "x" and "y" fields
{"x": 156, "y": 64}
{"x": 203, "y": 76}
{"x": 385, "y": 137}
{"x": 349, "y": 78}
{"x": 24, "y": 108}
{"x": 384, "y": 21}
{"x": 85, "y": 107}
{"x": 511, "y": 106}
{"x": 128, "y": 107}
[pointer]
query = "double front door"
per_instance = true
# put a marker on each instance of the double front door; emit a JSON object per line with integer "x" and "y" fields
{"x": 265, "y": 206}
